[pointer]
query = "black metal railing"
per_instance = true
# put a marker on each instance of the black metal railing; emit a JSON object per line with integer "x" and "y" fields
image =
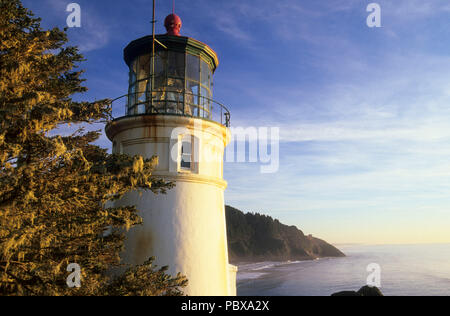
{"x": 170, "y": 103}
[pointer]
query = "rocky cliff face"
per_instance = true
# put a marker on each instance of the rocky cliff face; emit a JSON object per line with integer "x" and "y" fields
{"x": 255, "y": 237}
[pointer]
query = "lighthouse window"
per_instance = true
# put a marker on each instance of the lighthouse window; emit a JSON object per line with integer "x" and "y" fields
{"x": 186, "y": 153}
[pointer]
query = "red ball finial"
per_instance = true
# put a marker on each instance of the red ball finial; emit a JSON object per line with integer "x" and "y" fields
{"x": 173, "y": 24}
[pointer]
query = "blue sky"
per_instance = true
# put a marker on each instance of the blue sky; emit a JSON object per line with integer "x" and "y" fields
{"x": 364, "y": 113}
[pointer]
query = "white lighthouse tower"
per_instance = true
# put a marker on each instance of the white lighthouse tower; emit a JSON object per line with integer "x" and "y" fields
{"x": 170, "y": 114}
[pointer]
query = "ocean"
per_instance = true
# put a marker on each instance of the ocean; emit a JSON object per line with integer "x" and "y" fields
{"x": 405, "y": 270}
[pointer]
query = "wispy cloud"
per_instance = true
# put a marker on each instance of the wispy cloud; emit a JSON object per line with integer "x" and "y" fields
{"x": 230, "y": 25}
{"x": 94, "y": 33}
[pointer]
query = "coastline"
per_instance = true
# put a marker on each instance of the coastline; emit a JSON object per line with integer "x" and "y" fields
{"x": 255, "y": 270}
{"x": 428, "y": 276}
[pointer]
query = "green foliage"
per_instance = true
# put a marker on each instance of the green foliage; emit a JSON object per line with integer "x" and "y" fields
{"x": 54, "y": 190}
{"x": 144, "y": 281}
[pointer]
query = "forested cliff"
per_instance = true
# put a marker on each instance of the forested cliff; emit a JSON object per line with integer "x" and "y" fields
{"x": 255, "y": 237}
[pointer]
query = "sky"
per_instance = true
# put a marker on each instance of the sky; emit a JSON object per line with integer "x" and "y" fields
{"x": 363, "y": 113}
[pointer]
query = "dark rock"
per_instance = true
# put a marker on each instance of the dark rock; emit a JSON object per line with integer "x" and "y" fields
{"x": 364, "y": 291}
{"x": 370, "y": 291}
{"x": 346, "y": 293}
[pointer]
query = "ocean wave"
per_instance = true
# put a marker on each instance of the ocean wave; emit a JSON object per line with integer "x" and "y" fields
{"x": 249, "y": 275}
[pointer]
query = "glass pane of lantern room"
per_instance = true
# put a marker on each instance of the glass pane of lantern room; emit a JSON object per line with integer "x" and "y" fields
{"x": 204, "y": 103}
{"x": 175, "y": 85}
{"x": 133, "y": 71}
{"x": 142, "y": 87}
{"x": 141, "y": 109}
{"x": 206, "y": 74}
{"x": 175, "y": 65}
{"x": 160, "y": 70}
{"x": 192, "y": 91}
{"x": 160, "y": 81}
{"x": 142, "y": 77}
{"x": 174, "y": 95}
{"x": 205, "y": 93}
{"x": 193, "y": 67}
{"x": 143, "y": 67}
{"x": 160, "y": 63}
{"x": 131, "y": 99}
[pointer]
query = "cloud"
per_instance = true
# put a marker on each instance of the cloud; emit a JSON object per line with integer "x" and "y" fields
{"x": 94, "y": 33}
{"x": 413, "y": 10}
{"x": 374, "y": 142}
{"x": 230, "y": 25}
{"x": 331, "y": 132}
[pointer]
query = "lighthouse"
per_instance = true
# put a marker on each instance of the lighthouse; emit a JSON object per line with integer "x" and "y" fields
{"x": 170, "y": 113}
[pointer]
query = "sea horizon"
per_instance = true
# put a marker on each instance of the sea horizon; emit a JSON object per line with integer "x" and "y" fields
{"x": 389, "y": 244}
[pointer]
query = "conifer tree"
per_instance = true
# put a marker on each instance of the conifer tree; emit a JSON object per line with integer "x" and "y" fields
{"x": 54, "y": 190}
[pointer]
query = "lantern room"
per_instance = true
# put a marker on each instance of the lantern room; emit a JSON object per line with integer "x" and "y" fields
{"x": 178, "y": 80}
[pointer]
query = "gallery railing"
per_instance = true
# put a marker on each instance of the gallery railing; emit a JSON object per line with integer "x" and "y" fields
{"x": 170, "y": 103}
